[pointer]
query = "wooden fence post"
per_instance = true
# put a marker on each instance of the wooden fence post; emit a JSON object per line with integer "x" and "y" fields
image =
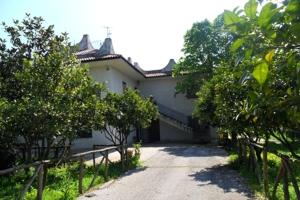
{"x": 257, "y": 170}
{"x": 293, "y": 179}
{"x": 285, "y": 184}
{"x": 277, "y": 180}
{"x": 45, "y": 170}
{"x": 80, "y": 175}
{"x": 106, "y": 166}
{"x": 40, "y": 183}
{"x": 23, "y": 193}
{"x": 122, "y": 158}
{"x": 265, "y": 172}
{"x": 126, "y": 158}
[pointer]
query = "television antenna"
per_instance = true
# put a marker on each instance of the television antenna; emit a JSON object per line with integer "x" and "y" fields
{"x": 108, "y": 31}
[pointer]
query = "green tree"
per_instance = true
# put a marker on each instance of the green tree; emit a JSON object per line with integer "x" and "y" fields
{"x": 205, "y": 45}
{"x": 269, "y": 45}
{"x": 45, "y": 95}
{"x": 255, "y": 91}
{"x": 126, "y": 112}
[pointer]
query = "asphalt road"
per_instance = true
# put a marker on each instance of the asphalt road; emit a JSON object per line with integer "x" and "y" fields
{"x": 177, "y": 173}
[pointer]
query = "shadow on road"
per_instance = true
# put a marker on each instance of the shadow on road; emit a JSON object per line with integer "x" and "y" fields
{"x": 133, "y": 171}
{"x": 187, "y": 151}
{"x": 222, "y": 177}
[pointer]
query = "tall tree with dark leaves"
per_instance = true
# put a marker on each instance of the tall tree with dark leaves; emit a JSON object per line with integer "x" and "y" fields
{"x": 205, "y": 45}
{"x": 46, "y": 96}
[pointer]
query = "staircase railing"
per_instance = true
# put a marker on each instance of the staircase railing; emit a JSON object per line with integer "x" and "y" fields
{"x": 178, "y": 118}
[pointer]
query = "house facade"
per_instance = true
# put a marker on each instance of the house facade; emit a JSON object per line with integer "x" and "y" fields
{"x": 117, "y": 73}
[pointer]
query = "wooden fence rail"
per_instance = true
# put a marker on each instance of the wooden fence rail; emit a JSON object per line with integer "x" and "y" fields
{"x": 38, "y": 151}
{"x": 285, "y": 172}
{"x": 41, "y": 169}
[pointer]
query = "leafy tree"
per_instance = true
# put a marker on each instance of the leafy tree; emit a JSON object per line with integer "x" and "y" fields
{"x": 205, "y": 45}
{"x": 45, "y": 95}
{"x": 126, "y": 112}
{"x": 269, "y": 43}
{"x": 255, "y": 91}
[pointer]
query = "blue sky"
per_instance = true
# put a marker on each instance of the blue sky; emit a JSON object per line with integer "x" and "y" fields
{"x": 150, "y": 32}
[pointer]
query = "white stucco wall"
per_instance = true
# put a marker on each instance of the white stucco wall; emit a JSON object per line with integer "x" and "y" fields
{"x": 169, "y": 133}
{"x": 163, "y": 91}
{"x": 113, "y": 80}
{"x": 98, "y": 138}
{"x": 116, "y": 80}
{"x": 111, "y": 77}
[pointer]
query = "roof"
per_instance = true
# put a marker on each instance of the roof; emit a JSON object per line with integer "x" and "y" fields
{"x": 85, "y": 43}
{"x": 156, "y": 73}
{"x": 88, "y": 53}
{"x": 166, "y": 71}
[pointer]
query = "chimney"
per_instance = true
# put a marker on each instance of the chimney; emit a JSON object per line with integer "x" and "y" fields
{"x": 169, "y": 66}
{"x": 136, "y": 64}
{"x": 85, "y": 43}
{"x": 129, "y": 60}
{"x": 106, "y": 48}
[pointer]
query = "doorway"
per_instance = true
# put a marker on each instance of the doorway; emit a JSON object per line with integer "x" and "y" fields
{"x": 154, "y": 131}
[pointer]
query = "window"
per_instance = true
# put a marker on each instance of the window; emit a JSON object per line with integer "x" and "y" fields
{"x": 85, "y": 133}
{"x": 124, "y": 85}
{"x": 191, "y": 94}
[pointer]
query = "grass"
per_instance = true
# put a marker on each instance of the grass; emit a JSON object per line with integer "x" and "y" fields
{"x": 273, "y": 168}
{"x": 62, "y": 182}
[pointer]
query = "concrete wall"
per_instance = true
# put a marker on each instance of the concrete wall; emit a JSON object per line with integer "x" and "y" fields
{"x": 163, "y": 91}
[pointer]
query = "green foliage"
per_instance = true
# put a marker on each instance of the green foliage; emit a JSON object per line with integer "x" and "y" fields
{"x": 273, "y": 169}
{"x": 236, "y": 45}
{"x": 260, "y": 72}
{"x": 254, "y": 90}
{"x": 62, "y": 182}
{"x": 137, "y": 149}
{"x": 44, "y": 92}
{"x": 204, "y": 48}
{"x": 231, "y": 18}
{"x": 250, "y": 9}
{"x": 126, "y": 111}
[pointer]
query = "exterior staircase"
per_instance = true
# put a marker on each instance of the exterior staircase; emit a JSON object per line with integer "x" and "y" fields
{"x": 174, "y": 118}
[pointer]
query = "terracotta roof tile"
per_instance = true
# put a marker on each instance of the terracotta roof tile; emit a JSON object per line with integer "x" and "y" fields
{"x": 89, "y": 54}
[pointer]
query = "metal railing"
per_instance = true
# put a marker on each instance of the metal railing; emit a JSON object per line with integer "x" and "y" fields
{"x": 177, "y": 118}
{"x": 173, "y": 114}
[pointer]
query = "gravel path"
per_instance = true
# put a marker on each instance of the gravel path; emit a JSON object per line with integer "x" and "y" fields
{"x": 177, "y": 173}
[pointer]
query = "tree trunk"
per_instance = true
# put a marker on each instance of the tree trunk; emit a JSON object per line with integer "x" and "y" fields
{"x": 28, "y": 148}
{"x": 48, "y": 148}
{"x": 258, "y": 152}
{"x": 234, "y": 139}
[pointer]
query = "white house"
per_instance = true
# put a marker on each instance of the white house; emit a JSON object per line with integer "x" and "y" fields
{"x": 117, "y": 72}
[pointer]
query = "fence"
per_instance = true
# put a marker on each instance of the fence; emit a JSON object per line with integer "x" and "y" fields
{"x": 41, "y": 168}
{"x": 285, "y": 172}
{"x": 38, "y": 152}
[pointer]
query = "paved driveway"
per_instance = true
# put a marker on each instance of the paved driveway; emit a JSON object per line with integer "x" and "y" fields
{"x": 177, "y": 172}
